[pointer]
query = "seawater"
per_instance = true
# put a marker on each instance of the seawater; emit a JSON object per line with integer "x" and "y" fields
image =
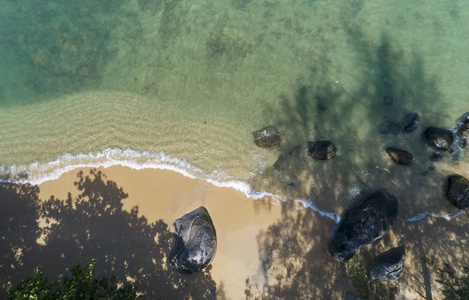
{"x": 183, "y": 84}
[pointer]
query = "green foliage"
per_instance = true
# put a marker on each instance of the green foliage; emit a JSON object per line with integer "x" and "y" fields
{"x": 367, "y": 288}
{"x": 454, "y": 287}
{"x": 81, "y": 285}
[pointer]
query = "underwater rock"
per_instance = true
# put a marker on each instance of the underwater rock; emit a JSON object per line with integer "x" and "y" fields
{"x": 410, "y": 122}
{"x": 366, "y": 221}
{"x": 267, "y": 137}
{"x": 390, "y": 127}
{"x": 195, "y": 242}
{"x": 388, "y": 100}
{"x": 400, "y": 157}
{"x": 436, "y": 156}
{"x": 321, "y": 150}
{"x": 439, "y": 138}
{"x": 389, "y": 265}
{"x": 458, "y": 191}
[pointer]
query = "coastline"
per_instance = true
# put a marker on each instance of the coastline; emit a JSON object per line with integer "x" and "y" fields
{"x": 167, "y": 195}
{"x": 293, "y": 238}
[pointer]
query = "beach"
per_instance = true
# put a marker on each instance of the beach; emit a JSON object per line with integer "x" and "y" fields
{"x": 295, "y": 238}
{"x": 166, "y": 195}
{"x": 119, "y": 117}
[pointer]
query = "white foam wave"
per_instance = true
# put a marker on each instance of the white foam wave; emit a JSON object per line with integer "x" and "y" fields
{"x": 427, "y": 214}
{"x": 308, "y": 203}
{"x": 38, "y": 173}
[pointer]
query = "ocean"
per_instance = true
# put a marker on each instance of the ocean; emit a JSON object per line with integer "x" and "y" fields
{"x": 181, "y": 85}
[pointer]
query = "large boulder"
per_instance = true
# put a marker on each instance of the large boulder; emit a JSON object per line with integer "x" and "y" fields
{"x": 458, "y": 191}
{"x": 195, "y": 242}
{"x": 400, "y": 157}
{"x": 389, "y": 265}
{"x": 366, "y": 221}
{"x": 321, "y": 150}
{"x": 267, "y": 137}
{"x": 439, "y": 138}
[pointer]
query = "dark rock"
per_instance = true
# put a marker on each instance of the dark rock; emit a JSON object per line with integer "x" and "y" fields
{"x": 410, "y": 122}
{"x": 389, "y": 265}
{"x": 439, "y": 138}
{"x": 424, "y": 173}
{"x": 195, "y": 242}
{"x": 388, "y": 127}
{"x": 321, "y": 150}
{"x": 400, "y": 157}
{"x": 366, "y": 221}
{"x": 387, "y": 100}
{"x": 267, "y": 137}
{"x": 278, "y": 165}
{"x": 431, "y": 168}
{"x": 436, "y": 156}
{"x": 458, "y": 191}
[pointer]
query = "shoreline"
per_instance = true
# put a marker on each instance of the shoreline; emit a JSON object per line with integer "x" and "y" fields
{"x": 166, "y": 195}
{"x": 292, "y": 238}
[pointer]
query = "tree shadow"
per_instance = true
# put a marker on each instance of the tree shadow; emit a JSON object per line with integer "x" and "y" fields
{"x": 294, "y": 260}
{"x": 94, "y": 225}
{"x": 293, "y": 252}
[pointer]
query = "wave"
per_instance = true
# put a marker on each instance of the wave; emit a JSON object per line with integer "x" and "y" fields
{"x": 37, "y": 173}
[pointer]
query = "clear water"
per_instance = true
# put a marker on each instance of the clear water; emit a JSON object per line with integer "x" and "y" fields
{"x": 184, "y": 83}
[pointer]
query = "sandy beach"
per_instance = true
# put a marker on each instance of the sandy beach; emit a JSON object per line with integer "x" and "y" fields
{"x": 264, "y": 250}
{"x": 167, "y": 195}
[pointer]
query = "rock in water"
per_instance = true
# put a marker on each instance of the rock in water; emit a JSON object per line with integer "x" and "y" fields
{"x": 389, "y": 265}
{"x": 267, "y": 137}
{"x": 366, "y": 221}
{"x": 458, "y": 191}
{"x": 439, "y": 138}
{"x": 195, "y": 242}
{"x": 400, "y": 157}
{"x": 410, "y": 122}
{"x": 321, "y": 150}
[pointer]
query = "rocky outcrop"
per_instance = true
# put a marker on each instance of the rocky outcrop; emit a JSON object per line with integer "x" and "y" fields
{"x": 439, "y": 138}
{"x": 400, "y": 157}
{"x": 268, "y": 137}
{"x": 389, "y": 265}
{"x": 363, "y": 223}
{"x": 458, "y": 191}
{"x": 195, "y": 242}
{"x": 323, "y": 150}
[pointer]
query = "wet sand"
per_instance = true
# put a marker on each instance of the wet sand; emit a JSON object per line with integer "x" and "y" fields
{"x": 167, "y": 195}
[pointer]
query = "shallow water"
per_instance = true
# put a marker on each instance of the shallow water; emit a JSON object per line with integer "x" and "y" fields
{"x": 183, "y": 84}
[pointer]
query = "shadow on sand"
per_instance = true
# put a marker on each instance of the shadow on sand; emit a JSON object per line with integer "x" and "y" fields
{"x": 56, "y": 234}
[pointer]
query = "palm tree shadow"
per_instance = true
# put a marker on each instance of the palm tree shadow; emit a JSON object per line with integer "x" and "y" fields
{"x": 94, "y": 225}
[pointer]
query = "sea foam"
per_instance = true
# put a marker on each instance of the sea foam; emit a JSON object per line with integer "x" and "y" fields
{"x": 37, "y": 173}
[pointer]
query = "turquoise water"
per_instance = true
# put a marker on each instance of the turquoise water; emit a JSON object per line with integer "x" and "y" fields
{"x": 182, "y": 84}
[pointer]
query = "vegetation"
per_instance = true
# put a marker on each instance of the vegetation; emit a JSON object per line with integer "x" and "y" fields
{"x": 454, "y": 287}
{"x": 81, "y": 285}
{"x": 367, "y": 288}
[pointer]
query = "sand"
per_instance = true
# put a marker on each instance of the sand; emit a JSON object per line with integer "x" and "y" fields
{"x": 167, "y": 195}
{"x": 260, "y": 241}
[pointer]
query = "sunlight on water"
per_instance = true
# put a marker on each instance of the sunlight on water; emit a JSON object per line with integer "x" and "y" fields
{"x": 194, "y": 79}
